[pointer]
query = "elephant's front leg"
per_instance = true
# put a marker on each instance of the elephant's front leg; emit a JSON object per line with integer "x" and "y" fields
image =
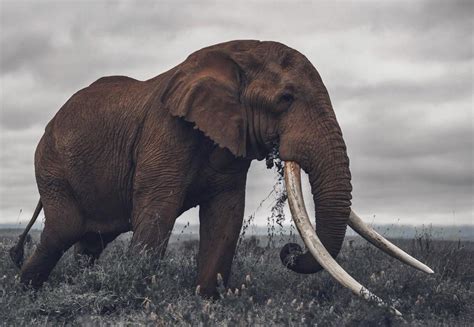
{"x": 220, "y": 223}
{"x": 152, "y": 223}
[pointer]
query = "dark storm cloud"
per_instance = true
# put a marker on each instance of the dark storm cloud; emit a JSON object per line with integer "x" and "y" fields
{"x": 399, "y": 75}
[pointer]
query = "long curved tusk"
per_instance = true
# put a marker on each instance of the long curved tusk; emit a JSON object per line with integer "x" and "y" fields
{"x": 312, "y": 242}
{"x": 383, "y": 244}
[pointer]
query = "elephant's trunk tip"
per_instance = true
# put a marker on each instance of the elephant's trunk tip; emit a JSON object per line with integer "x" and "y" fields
{"x": 289, "y": 255}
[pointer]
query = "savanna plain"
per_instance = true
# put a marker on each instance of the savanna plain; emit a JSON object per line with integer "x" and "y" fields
{"x": 129, "y": 290}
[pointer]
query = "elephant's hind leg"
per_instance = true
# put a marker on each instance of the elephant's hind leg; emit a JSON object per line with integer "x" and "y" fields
{"x": 91, "y": 246}
{"x": 63, "y": 228}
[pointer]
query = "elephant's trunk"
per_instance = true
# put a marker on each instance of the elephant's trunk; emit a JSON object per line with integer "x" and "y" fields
{"x": 329, "y": 175}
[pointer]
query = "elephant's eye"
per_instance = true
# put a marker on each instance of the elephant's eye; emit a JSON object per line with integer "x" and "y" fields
{"x": 284, "y": 102}
{"x": 286, "y": 98}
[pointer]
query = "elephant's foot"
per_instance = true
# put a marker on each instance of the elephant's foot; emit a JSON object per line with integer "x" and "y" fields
{"x": 37, "y": 269}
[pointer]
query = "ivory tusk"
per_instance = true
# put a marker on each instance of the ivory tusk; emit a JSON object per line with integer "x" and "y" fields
{"x": 383, "y": 244}
{"x": 313, "y": 243}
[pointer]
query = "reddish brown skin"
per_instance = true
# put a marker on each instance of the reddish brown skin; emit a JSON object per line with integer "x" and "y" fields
{"x": 124, "y": 155}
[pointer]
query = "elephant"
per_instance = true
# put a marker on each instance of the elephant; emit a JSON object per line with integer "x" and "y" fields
{"x": 127, "y": 155}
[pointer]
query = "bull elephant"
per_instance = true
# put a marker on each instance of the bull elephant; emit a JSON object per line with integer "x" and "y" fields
{"x": 127, "y": 155}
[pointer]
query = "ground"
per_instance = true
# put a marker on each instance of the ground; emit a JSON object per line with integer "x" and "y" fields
{"x": 137, "y": 290}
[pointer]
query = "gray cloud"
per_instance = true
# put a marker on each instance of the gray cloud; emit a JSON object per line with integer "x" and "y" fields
{"x": 399, "y": 75}
{"x": 444, "y": 88}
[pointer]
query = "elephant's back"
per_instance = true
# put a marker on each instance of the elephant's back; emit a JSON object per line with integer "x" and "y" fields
{"x": 109, "y": 104}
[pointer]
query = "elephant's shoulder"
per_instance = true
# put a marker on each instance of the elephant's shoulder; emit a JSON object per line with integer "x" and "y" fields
{"x": 113, "y": 80}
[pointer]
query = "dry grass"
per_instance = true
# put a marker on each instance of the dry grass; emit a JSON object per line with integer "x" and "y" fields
{"x": 138, "y": 290}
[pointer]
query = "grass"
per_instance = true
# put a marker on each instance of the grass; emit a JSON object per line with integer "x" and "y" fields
{"x": 137, "y": 290}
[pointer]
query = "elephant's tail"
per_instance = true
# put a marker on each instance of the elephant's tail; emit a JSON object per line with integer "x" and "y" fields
{"x": 17, "y": 252}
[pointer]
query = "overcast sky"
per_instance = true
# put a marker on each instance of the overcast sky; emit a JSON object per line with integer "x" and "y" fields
{"x": 400, "y": 77}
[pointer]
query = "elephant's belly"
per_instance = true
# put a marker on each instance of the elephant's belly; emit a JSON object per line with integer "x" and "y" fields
{"x": 105, "y": 213}
{"x": 103, "y": 198}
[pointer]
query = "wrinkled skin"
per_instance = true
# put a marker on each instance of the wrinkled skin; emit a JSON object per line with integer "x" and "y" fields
{"x": 124, "y": 155}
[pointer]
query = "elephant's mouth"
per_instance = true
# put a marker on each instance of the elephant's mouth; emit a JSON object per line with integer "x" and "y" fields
{"x": 319, "y": 252}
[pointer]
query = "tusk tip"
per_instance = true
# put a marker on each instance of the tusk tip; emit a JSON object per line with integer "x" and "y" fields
{"x": 429, "y": 271}
{"x": 367, "y": 232}
{"x": 396, "y": 312}
{"x": 424, "y": 268}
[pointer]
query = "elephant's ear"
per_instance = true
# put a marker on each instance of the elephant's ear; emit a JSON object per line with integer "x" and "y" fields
{"x": 205, "y": 90}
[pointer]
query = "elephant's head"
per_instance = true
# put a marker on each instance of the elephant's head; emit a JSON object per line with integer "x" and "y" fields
{"x": 248, "y": 96}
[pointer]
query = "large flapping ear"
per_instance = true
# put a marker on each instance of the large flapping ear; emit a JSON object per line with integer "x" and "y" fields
{"x": 205, "y": 90}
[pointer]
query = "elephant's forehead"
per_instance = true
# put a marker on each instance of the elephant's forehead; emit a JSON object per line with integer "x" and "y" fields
{"x": 278, "y": 57}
